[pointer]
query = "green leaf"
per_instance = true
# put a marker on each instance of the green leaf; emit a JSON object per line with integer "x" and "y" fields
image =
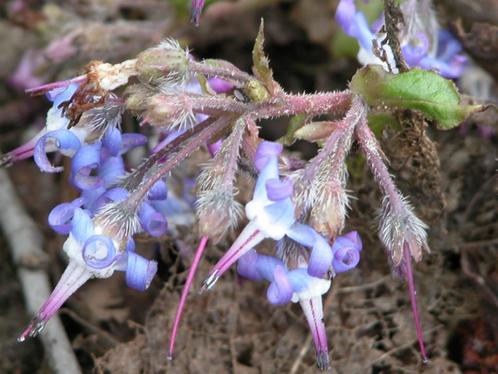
{"x": 295, "y": 124}
{"x": 261, "y": 64}
{"x": 417, "y": 89}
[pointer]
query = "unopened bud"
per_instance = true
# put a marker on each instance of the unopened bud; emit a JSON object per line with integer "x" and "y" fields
{"x": 173, "y": 111}
{"x": 168, "y": 60}
{"x": 218, "y": 214}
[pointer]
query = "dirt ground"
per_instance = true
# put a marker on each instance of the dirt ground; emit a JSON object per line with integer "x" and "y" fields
{"x": 451, "y": 180}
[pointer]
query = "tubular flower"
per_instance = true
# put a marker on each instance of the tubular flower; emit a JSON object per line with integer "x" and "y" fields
{"x": 297, "y": 285}
{"x": 271, "y": 215}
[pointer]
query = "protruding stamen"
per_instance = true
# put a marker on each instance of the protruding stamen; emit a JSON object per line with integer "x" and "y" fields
{"x": 183, "y": 298}
{"x": 210, "y": 281}
{"x": 413, "y": 300}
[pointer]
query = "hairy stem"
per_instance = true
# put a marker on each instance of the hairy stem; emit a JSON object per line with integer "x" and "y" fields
{"x": 156, "y": 172}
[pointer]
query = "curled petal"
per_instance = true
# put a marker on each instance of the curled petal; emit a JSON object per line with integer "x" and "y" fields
{"x": 354, "y": 239}
{"x": 265, "y": 151}
{"x": 139, "y": 272}
{"x": 132, "y": 140}
{"x": 63, "y": 140}
{"x": 280, "y": 290}
{"x": 82, "y": 225}
{"x": 320, "y": 258}
{"x": 159, "y": 191}
{"x": 112, "y": 140}
{"x": 60, "y": 216}
{"x": 345, "y": 259}
{"x": 111, "y": 170}
{"x": 277, "y": 189}
{"x": 99, "y": 252}
{"x": 152, "y": 221}
{"x": 85, "y": 161}
{"x": 247, "y": 266}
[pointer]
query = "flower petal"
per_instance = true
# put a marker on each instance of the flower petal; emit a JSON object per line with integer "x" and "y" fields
{"x": 266, "y": 150}
{"x": 131, "y": 140}
{"x": 247, "y": 266}
{"x": 345, "y": 259}
{"x": 139, "y": 272}
{"x": 111, "y": 170}
{"x": 86, "y": 161}
{"x": 63, "y": 140}
{"x": 152, "y": 221}
{"x": 99, "y": 252}
{"x": 320, "y": 258}
{"x": 82, "y": 225}
{"x": 61, "y": 215}
{"x": 277, "y": 189}
{"x": 112, "y": 141}
{"x": 280, "y": 290}
{"x": 159, "y": 191}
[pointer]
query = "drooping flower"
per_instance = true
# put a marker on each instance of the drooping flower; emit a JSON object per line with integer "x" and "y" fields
{"x": 271, "y": 215}
{"x": 291, "y": 281}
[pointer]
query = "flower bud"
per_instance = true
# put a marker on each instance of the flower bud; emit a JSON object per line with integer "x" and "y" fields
{"x": 168, "y": 60}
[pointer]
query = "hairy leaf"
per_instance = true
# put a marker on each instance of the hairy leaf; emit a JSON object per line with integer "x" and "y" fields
{"x": 417, "y": 89}
{"x": 261, "y": 64}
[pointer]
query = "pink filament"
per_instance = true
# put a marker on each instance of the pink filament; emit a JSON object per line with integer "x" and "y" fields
{"x": 413, "y": 300}
{"x": 185, "y": 291}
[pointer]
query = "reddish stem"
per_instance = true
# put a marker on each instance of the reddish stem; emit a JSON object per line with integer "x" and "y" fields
{"x": 185, "y": 291}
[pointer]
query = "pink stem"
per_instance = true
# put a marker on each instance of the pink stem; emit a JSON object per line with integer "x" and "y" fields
{"x": 185, "y": 291}
{"x": 371, "y": 148}
{"x": 413, "y": 300}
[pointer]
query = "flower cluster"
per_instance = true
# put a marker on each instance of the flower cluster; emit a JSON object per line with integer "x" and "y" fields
{"x": 97, "y": 244}
{"x": 419, "y": 46}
